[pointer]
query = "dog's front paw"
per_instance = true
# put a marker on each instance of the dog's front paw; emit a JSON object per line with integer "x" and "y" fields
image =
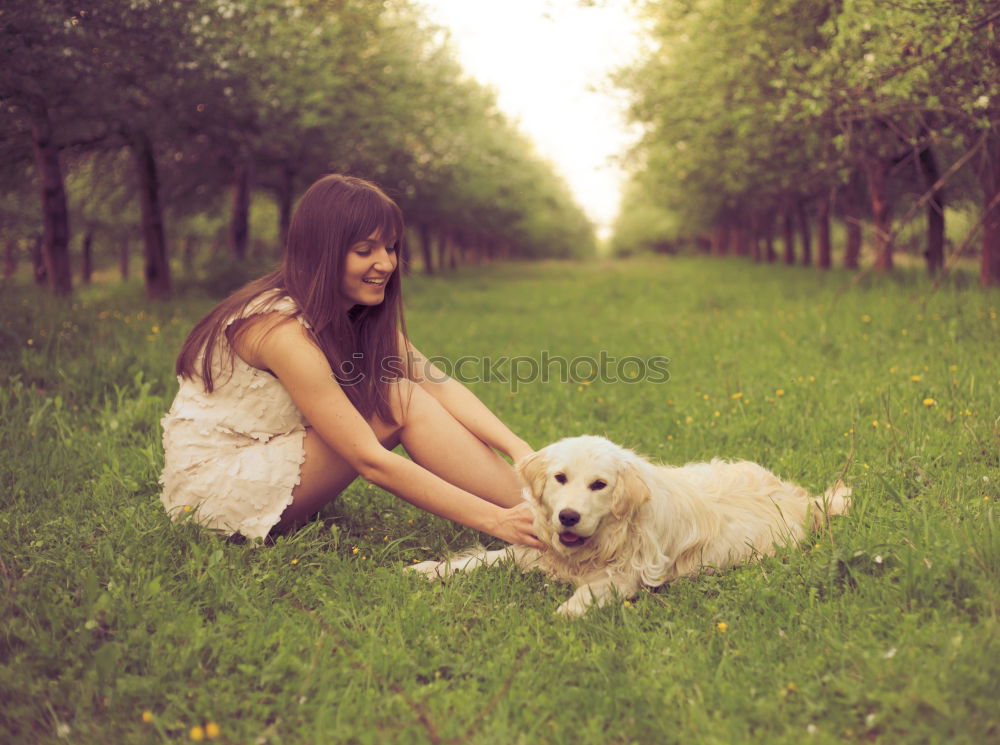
{"x": 573, "y": 608}
{"x": 432, "y": 570}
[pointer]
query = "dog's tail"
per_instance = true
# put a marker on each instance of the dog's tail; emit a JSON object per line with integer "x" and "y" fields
{"x": 836, "y": 501}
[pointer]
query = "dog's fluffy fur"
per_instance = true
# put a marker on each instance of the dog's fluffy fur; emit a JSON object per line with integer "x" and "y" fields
{"x": 614, "y": 522}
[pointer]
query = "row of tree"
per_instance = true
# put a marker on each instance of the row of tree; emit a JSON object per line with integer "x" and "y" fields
{"x": 770, "y": 117}
{"x": 135, "y": 116}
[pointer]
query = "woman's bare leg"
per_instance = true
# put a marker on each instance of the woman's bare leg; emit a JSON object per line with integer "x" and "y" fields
{"x": 432, "y": 437}
{"x": 322, "y": 476}
{"x": 438, "y": 442}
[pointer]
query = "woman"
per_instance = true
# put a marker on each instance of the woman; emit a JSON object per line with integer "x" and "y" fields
{"x": 304, "y": 379}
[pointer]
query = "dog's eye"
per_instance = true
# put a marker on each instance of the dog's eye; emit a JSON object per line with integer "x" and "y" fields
{"x": 561, "y": 478}
{"x": 597, "y": 485}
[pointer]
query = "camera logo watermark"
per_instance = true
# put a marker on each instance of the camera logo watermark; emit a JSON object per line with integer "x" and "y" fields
{"x": 519, "y": 370}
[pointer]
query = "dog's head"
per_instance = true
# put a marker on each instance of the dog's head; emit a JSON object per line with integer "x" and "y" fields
{"x": 581, "y": 487}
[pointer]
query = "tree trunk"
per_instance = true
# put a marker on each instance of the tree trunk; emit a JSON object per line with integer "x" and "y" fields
{"x": 38, "y": 269}
{"x": 124, "y": 252}
{"x": 187, "y": 258}
{"x": 426, "y": 249}
{"x": 720, "y": 240}
{"x": 770, "y": 255}
{"x": 788, "y": 234}
{"x": 989, "y": 177}
{"x": 452, "y": 250}
{"x": 852, "y": 224}
{"x": 87, "y": 257}
{"x": 239, "y": 223}
{"x": 740, "y": 246}
{"x": 755, "y": 237}
{"x": 285, "y": 197}
{"x": 935, "y": 213}
{"x": 806, "y": 234}
{"x": 10, "y": 258}
{"x": 157, "y": 269}
{"x": 825, "y": 258}
{"x": 442, "y": 247}
{"x": 878, "y": 189}
{"x": 55, "y": 213}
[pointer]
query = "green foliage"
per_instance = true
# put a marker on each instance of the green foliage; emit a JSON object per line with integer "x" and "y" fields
{"x": 288, "y": 91}
{"x": 882, "y": 629}
{"x": 751, "y": 109}
{"x": 642, "y": 224}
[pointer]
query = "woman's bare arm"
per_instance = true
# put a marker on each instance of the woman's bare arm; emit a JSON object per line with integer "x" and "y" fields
{"x": 284, "y": 347}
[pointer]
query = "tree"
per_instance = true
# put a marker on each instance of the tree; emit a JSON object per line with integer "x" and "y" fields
{"x": 776, "y": 104}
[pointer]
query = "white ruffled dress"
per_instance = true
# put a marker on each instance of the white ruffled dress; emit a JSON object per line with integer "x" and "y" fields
{"x": 232, "y": 456}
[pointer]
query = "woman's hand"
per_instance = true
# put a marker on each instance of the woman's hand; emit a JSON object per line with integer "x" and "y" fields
{"x": 516, "y": 525}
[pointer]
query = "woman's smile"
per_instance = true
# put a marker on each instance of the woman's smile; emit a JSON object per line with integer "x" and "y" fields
{"x": 368, "y": 266}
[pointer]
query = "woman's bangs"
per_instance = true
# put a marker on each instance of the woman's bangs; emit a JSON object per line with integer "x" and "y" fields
{"x": 382, "y": 217}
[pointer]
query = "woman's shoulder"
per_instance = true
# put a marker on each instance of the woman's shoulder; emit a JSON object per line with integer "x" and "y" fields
{"x": 268, "y": 328}
{"x": 266, "y": 303}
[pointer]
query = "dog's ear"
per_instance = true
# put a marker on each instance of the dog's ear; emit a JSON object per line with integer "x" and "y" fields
{"x": 630, "y": 492}
{"x": 532, "y": 470}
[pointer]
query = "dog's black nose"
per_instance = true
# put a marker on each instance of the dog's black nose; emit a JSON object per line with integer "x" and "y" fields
{"x": 569, "y": 518}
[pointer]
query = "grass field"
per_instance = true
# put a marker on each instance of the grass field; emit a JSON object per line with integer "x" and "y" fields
{"x": 117, "y": 626}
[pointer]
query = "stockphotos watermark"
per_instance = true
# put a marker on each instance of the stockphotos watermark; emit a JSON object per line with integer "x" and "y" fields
{"x": 519, "y": 370}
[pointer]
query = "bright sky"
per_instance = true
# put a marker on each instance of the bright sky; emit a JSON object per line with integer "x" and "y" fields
{"x": 549, "y": 61}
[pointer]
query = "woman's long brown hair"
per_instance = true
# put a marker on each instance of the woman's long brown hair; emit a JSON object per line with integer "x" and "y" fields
{"x": 360, "y": 342}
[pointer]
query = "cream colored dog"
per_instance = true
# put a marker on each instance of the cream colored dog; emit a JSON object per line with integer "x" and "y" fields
{"x": 614, "y": 522}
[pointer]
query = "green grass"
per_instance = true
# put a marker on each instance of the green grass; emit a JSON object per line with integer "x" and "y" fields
{"x": 883, "y": 629}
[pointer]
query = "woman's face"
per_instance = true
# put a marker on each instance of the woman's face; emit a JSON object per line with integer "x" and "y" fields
{"x": 367, "y": 269}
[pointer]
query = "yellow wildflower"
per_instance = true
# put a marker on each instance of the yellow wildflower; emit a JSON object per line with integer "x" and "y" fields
{"x": 722, "y": 626}
{"x": 212, "y": 730}
{"x": 197, "y": 733}
{"x": 929, "y": 402}
{"x": 916, "y": 378}
{"x": 688, "y": 419}
{"x": 875, "y": 423}
{"x": 355, "y": 550}
{"x": 780, "y": 392}
{"x": 294, "y": 562}
{"x": 738, "y": 395}
{"x": 147, "y": 716}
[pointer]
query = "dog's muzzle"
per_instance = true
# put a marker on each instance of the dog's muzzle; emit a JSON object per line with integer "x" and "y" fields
{"x": 571, "y": 539}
